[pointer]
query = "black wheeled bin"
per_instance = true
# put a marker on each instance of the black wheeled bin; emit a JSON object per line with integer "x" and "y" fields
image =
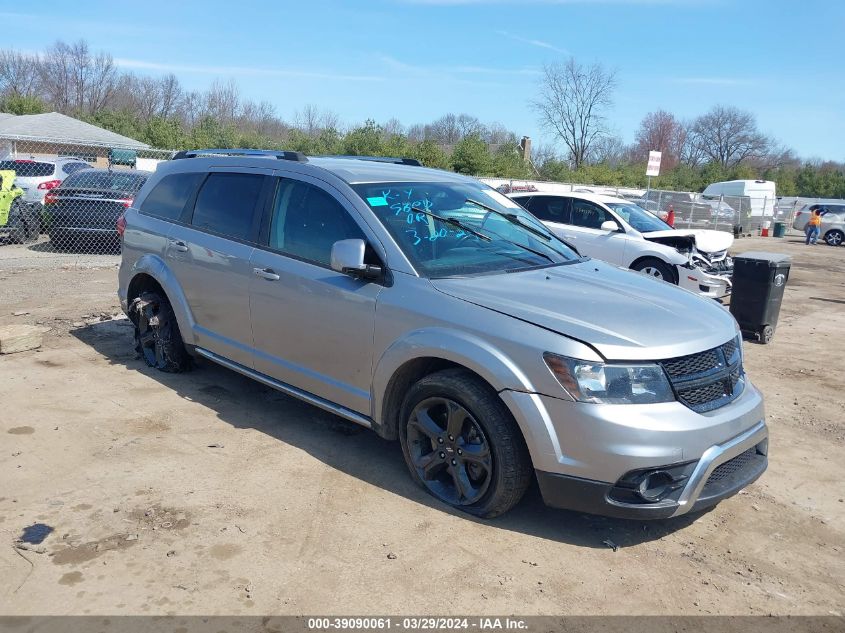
{"x": 758, "y": 283}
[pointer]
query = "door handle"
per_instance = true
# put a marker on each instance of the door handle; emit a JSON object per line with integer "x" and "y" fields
{"x": 266, "y": 273}
{"x": 569, "y": 237}
{"x": 179, "y": 245}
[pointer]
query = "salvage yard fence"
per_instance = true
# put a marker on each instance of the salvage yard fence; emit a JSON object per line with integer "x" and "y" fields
{"x": 60, "y": 201}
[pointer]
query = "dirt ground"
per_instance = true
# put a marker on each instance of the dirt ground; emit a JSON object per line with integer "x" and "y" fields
{"x": 205, "y": 493}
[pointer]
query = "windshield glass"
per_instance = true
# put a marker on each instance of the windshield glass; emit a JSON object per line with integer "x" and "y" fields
{"x": 465, "y": 238}
{"x": 640, "y": 219}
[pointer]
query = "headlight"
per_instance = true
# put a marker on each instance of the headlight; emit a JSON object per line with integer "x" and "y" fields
{"x": 642, "y": 383}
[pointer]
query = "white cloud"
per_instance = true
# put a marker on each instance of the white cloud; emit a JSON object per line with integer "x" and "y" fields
{"x": 241, "y": 70}
{"x": 533, "y": 42}
{"x": 449, "y": 71}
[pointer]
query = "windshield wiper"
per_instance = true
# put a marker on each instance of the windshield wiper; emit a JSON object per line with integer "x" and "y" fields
{"x": 454, "y": 222}
{"x": 513, "y": 218}
{"x": 480, "y": 235}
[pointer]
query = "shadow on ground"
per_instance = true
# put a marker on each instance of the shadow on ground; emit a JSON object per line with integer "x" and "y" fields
{"x": 349, "y": 448}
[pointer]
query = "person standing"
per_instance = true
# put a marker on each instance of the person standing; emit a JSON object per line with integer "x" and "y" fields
{"x": 814, "y": 225}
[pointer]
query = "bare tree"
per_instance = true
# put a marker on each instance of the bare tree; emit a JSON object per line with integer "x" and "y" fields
{"x": 662, "y": 132}
{"x": 608, "y": 149}
{"x": 572, "y": 103}
{"x": 223, "y": 101}
{"x": 312, "y": 120}
{"x": 74, "y": 80}
{"x": 728, "y": 136}
{"x": 18, "y": 74}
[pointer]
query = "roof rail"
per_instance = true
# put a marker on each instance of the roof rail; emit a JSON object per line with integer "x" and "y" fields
{"x": 259, "y": 153}
{"x": 413, "y": 162}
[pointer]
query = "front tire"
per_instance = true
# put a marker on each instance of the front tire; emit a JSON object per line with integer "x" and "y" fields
{"x": 655, "y": 268}
{"x": 462, "y": 445}
{"x": 157, "y": 336}
{"x": 834, "y": 237}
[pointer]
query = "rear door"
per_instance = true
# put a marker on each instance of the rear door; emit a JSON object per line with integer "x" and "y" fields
{"x": 209, "y": 254}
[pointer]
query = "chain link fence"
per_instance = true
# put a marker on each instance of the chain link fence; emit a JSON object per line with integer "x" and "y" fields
{"x": 60, "y": 201}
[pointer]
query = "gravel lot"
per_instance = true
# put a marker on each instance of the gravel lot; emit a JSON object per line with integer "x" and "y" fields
{"x": 207, "y": 493}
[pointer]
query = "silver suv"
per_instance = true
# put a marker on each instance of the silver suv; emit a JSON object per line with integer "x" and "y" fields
{"x": 434, "y": 310}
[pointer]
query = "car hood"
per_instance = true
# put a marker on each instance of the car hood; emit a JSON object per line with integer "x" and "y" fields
{"x": 706, "y": 241}
{"x": 622, "y": 314}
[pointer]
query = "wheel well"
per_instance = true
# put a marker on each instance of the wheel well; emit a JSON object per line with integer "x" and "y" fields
{"x": 642, "y": 260}
{"x": 140, "y": 284}
{"x": 400, "y": 382}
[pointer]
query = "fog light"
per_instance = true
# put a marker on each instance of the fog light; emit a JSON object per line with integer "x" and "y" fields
{"x": 657, "y": 485}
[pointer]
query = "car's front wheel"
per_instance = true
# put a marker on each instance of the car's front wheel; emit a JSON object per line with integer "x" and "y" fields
{"x": 834, "y": 237}
{"x": 653, "y": 267}
{"x": 462, "y": 444}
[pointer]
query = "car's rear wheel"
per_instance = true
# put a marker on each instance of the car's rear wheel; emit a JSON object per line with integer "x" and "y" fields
{"x": 655, "y": 268}
{"x": 24, "y": 230}
{"x": 157, "y": 336}
{"x": 834, "y": 237}
{"x": 462, "y": 445}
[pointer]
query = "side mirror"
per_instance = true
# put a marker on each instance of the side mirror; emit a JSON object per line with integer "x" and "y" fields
{"x": 348, "y": 258}
{"x": 610, "y": 225}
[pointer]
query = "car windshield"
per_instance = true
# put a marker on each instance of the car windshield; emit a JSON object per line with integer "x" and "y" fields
{"x": 640, "y": 219}
{"x": 459, "y": 229}
{"x": 28, "y": 168}
{"x": 104, "y": 180}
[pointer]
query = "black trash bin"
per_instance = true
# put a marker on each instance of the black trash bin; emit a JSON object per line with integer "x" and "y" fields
{"x": 758, "y": 283}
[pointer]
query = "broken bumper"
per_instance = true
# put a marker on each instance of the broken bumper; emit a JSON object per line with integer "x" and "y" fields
{"x": 704, "y": 283}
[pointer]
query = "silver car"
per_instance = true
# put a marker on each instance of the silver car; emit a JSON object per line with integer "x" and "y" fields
{"x": 432, "y": 309}
{"x": 37, "y": 176}
{"x": 832, "y": 229}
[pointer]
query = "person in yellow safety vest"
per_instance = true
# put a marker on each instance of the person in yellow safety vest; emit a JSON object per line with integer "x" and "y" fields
{"x": 813, "y": 228}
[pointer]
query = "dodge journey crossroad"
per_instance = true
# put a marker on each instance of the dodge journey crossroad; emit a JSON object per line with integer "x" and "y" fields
{"x": 435, "y": 311}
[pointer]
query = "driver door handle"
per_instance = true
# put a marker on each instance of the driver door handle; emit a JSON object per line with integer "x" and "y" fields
{"x": 266, "y": 273}
{"x": 179, "y": 245}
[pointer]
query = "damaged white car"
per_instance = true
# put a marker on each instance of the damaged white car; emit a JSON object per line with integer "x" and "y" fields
{"x": 619, "y": 232}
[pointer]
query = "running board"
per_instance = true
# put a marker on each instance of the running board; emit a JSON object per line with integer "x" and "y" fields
{"x": 286, "y": 388}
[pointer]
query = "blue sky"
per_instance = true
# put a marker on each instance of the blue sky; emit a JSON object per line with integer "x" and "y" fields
{"x": 418, "y": 59}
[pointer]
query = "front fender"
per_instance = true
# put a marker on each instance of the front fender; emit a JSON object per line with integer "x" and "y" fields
{"x": 659, "y": 251}
{"x": 491, "y": 364}
{"x": 155, "y": 267}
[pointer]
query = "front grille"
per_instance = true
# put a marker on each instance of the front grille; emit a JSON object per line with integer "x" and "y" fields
{"x": 707, "y": 380}
{"x": 686, "y": 367}
{"x": 732, "y": 466}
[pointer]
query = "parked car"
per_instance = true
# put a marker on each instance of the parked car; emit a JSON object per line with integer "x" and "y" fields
{"x": 832, "y": 229}
{"x": 19, "y": 221}
{"x": 82, "y": 212}
{"x": 621, "y": 233}
{"x": 432, "y": 309}
{"x": 38, "y": 176}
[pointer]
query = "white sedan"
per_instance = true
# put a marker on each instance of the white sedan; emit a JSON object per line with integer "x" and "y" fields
{"x": 619, "y": 232}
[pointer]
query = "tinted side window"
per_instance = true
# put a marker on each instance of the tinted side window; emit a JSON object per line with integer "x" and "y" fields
{"x": 307, "y": 221}
{"x": 550, "y": 208}
{"x": 167, "y": 199}
{"x": 588, "y": 215}
{"x": 226, "y": 204}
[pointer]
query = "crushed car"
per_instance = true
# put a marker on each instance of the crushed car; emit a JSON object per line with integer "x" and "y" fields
{"x": 620, "y": 232}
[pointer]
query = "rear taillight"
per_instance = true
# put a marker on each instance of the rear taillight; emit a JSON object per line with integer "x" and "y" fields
{"x": 50, "y": 198}
{"x": 120, "y": 225}
{"x": 50, "y": 184}
{"x": 126, "y": 202}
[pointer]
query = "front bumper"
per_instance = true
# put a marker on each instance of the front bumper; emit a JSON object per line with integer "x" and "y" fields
{"x": 703, "y": 283}
{"x": 722, "y": 471}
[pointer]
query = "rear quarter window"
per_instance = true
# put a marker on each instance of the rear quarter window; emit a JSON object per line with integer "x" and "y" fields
{"x": 226, "y": 204}
{"x": 168, "y": 198}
